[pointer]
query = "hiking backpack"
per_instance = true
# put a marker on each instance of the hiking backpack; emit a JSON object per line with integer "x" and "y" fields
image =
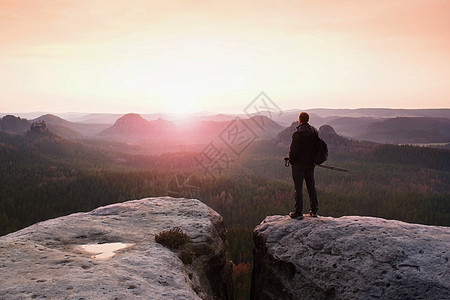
{"x": 322, "y": 152}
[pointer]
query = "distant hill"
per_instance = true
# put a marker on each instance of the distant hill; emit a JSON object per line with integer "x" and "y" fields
{"x": 397, "y": 126}
{"x": 289, "y": 116}
{"x": 360, "y": 116}
{"x": 216, "y": 118}
{"x": 267, "y": 128}
{"x": 133, "y": 127}
{"x": 344, "y": 149}
{"x": 322, "y": 116}
{"x": 96, "y": 118}
{"x": 326, "y": 132}
{"x": 14, "y": 125}
{"x": 352, "y": 126}
{"x": 71, "y": 130}
{"x": 400, "y": 130}
{"x": 381, "y": 112}
{"x": 44, "y": 147}
{"x": 408, "y": 130}
{"x": 57, "y": 126}
{"x": 111, "y": 118}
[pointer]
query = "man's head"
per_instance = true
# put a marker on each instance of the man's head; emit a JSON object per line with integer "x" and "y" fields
{"x": 303, "y": 118}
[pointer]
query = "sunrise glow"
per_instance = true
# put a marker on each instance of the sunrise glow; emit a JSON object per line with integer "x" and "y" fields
{"x": 187, "y": 56}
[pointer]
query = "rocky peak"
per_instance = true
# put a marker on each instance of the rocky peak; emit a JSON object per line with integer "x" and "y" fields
{"x": 111, "y": 253}
{"x": 131, "y": 120}
{"x": 350, "y": 258}
{"x": 329, "y": 135}
{"x": 134, "y": 127}
{"x": 327, "y": 130}
{"x": 38, "y": 127}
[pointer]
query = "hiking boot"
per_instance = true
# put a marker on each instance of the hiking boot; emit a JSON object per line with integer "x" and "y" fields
{"x": 296, "y": 215}
{"x": 313, "y": 214}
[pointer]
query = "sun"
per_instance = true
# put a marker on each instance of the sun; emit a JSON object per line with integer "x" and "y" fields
{"x": 186, "y": 79}
{"x": 182, "y": 106}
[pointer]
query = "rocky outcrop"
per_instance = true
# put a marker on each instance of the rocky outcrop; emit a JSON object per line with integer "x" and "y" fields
{"x": 350, "y": 258}
{"x": 55, "y": 260}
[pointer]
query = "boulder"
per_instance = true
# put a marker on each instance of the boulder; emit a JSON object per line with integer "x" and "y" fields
{"x": 349, "y": 258}
{"x": 111, "y": 253}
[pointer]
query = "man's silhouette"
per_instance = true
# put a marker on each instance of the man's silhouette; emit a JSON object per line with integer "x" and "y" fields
{"x": 304, "y": 145}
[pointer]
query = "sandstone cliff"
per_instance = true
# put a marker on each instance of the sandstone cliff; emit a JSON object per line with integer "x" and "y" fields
{"x": 350, "y": 258}
{"x": 47, "y": 260}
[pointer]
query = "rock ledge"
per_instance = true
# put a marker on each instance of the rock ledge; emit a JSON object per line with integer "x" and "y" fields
{"x": 350, "y": 258}
{"x": 46, "y": 260}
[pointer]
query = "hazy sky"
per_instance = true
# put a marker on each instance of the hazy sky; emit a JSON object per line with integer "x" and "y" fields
{"x": 182, "y": 56}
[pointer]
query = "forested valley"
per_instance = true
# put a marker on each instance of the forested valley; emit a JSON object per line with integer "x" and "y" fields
{"x": 44, "y": 176}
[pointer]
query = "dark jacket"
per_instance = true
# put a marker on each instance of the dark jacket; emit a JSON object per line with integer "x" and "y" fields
{"x": 304, "y": 145}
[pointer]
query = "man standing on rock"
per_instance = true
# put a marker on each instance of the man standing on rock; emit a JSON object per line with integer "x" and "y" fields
{"x": 304, "y": 145}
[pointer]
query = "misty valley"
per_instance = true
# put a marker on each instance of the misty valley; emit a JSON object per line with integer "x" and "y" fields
{"x": 398, "y": 162}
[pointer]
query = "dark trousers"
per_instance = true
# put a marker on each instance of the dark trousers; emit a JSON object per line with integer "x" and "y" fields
{"x": 298, "y": 174}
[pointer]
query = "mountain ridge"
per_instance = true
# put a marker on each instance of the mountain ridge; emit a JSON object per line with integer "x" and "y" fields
{"x": 133, "y": 127}
{"x": 408, "y": 130}
{"x": 71, "y": 130}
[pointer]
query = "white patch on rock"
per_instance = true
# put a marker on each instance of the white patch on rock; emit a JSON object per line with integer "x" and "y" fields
{"x": 104, "y": 251}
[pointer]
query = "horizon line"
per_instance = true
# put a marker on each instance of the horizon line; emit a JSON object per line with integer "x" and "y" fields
{"x": 211, "y": 112}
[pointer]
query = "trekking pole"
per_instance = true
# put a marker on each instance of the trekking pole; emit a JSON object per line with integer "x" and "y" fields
{"x": 287, "y": 164}
{"x": 333, "y": 168}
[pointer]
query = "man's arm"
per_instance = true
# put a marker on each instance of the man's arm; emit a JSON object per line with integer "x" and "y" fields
{"x": 292, "y": 149}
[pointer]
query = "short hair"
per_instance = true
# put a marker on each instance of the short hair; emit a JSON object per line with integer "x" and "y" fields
{"x": 303, "y": 118}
